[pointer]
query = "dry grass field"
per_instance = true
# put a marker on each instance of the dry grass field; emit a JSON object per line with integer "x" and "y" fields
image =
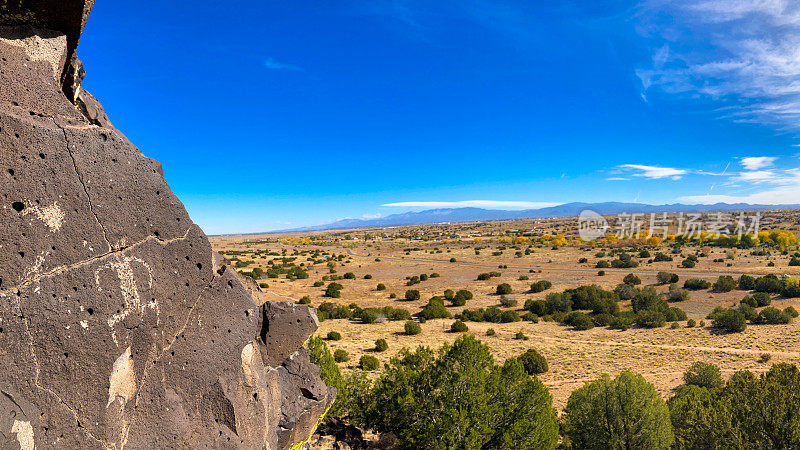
{"x": 389, "y": 256}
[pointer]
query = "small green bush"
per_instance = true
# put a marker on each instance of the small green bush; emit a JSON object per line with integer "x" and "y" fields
{"x": 730, "y": 320}
{"x": 459, "y": 327}
{"x": 381, "y": 287}
{"x": 340, "y": 355}
{"x": 696, "y": 284}
{"x": 412, "y": 295}
{"x": 503, "y": 289}
{"x": 334, "y": 336}
{"x": 533, "y": 362}
{"x": 381, "y": 345}
{"x": 369, "y": 363}
{"x": 704, "y": 375}
{"x": 412, "y": 328}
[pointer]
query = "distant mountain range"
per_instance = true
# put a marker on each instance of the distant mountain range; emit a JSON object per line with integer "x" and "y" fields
{"x": 566, "y": 210}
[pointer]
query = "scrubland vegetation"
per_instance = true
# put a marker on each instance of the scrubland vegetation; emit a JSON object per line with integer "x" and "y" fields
{"x": 401, "y": 308}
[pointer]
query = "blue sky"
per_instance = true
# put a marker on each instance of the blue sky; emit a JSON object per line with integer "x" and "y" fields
{"x": 274, "y": 115}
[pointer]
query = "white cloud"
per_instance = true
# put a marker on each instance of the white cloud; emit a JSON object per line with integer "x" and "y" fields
{"x": 758, "y": 176}
{"x": 654, "y": 172}
{"x": 473, "y": 204}
{"x": 757, "y": 162}
{"x": 617, "y": 179}
{"x": 270, "y": 63}
{"x": 740, "y": 54}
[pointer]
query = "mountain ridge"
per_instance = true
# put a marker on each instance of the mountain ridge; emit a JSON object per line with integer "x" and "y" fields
{"x": 473, "y": 214}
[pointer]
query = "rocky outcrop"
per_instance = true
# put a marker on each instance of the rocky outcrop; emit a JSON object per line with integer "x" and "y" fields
{"x": 117, "y": 326}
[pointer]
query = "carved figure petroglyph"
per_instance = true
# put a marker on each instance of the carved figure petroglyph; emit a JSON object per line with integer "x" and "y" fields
{"x": 122, "y": 265}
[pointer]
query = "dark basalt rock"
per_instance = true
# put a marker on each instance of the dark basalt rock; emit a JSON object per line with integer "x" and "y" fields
{"x": 118, "y": 326}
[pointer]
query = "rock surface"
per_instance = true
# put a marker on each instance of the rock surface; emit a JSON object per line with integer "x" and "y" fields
{"x": 117, "y": 326}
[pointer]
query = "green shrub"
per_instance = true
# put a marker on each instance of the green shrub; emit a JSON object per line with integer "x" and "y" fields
{"x": 340, "y": 355}
{"x": 631, "y": 279}
{"x": 661, "y": 257}
{"x": 369, "y": 315}
{"x": 449, "y": 294}
{"x": 509, "y": 316}
{"x": 333, "y": 290}
{"x": 412, "y": 328}
{"x": 749, "y": 301}
{"x": 530, "y": 317}
{"x": 335, "y": 311}
{"x": 624, "y": 413}
{"x": 541, "y": 286}
{"x": 334, "y": 336}
{"x": 508, "y": 302}
{"x": 503, "y": 289}
{"x": 791, "y": 312}
{"x": 677, "y": 295}
{"x": 381, "y": 287}
{"x": 435, "y": 309}
{"x": 440, "y": 399}
{"x": 412, "y": 295}
{"x": 381, "y": 345}
{"x": 459, "y": 327}
{"x": 622, "y": 322}
{"x": 769, "y": 284}
{"x": 603, "y": 320}
{"x": 558, "y": 302}
{"x": 580, "y": 321}
{"x": 650, "y": 319}
{"x": 773, "y": 316}
{"x": 369, "y": 363}
{"x": 490, "y": 332}
{"x": 533, "y": 362}
{"x": 747, "y": 283}
{"x": 749, "y": 312}
{"x": 696, "y": 284}
{"x": 674, "y": 314}
{"x": 691, "y": 323}
{"x": 304, "y": 300}
{"x": 730, "y": 320}
{"x": 461, "y": 297}
{"x": 667, "y": 278}
{"x": 704, "y": 375}
{"x": 349, "y": 276}
{"x": 329, "y": 371}
{"x": 725, "y": 283}
{"x": 520, "y": 336}
{"x": 538, "y": 307}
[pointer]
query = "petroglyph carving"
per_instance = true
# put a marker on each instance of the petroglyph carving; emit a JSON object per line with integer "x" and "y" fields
{"x": 122, "y": 266}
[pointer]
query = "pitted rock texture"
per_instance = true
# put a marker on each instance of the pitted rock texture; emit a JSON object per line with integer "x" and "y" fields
{"x": 118, "y": 328}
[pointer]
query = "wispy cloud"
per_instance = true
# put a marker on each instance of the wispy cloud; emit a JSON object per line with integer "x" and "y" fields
{"x": 617, "y": 179}
{"x": 473, "y": 203}
{"x": 757, "y": 162}
{"x": 272, "y": 64}
{"x": 766, "y": 185}
{"x": 742, "y": 55}
{"x": 654, "y": 172}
